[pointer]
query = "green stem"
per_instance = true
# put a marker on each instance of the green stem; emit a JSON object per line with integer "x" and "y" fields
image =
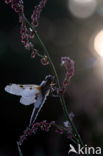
{"x": 76, "y": 134}
{"x": 19, "y": 150}
{"x": 61, "y": 97}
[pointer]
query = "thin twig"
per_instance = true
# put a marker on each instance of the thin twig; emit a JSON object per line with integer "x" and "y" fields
{"x": 19, "y": 150}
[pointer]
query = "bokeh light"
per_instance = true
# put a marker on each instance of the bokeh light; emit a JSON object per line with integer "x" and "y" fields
{"x": 98, "y": 43}
{"x": 82, "y": 8}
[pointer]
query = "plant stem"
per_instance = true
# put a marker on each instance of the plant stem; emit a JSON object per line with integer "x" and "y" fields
{"x": 19, "y": 150}
{"x": 63, "y": 104}
{"x": 61, "y": 97}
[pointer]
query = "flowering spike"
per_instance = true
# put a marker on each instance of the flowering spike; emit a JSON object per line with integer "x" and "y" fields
{"x": 45, "y": 60}
{"x": 27, "y": 34}
{"x": 67, "y": 123}
{"x": 69, "y": 67}
{"x": 8, "y": 1}
{"x": 34, "y": 53}
{"x": 16, "y": 5}
{"x": 45, "y": 126}
{"x": 36, "y": 13}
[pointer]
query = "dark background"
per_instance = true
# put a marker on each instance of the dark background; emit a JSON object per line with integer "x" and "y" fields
{"x": 63, "y": 35}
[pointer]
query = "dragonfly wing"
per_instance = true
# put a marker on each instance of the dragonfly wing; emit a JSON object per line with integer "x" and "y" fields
{"x": 28, "y": 100}
{"x": 22, "y": 90}
{"x": 28, "y": 93}
{"x": 14, "y": 89}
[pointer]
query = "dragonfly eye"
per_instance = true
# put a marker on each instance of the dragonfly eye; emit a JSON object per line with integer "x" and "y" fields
{"x": 49, "y": 78}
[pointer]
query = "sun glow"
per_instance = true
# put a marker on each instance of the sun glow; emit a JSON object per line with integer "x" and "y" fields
{"x": 98, "y": 43}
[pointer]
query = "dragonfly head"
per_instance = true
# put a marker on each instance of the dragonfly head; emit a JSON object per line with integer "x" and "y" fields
{"x": 49, "y": 79}
{"x": 46, "y": 84}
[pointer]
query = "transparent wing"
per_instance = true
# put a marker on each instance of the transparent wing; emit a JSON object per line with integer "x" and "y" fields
{"x": 28, "y": 93}
{"x": 14, "y": 89}
{"x": 28, "y": 100}
{"x": 22, "y": 90}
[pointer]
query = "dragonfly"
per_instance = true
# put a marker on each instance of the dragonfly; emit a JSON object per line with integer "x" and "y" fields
{"x": 32, "y": 94}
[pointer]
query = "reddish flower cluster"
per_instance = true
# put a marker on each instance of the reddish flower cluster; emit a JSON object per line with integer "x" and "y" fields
{"x": 45, "y": 60}
{"x": 16, "y": 5}
{"x": 28, "y": 34}
{"x": 69, "y": 67}
{"x": 37, "y": 11}
{"x": 33, "y": 54}
{"x": 25, "y": 35}
{"x": 44, "y": 126}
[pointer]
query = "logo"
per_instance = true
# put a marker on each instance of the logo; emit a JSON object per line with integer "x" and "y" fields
{"x": 85, "y": 150}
